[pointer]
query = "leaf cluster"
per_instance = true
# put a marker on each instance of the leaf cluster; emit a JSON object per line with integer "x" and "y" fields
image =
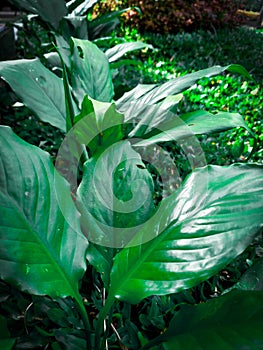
{"x": 93, "y": 255}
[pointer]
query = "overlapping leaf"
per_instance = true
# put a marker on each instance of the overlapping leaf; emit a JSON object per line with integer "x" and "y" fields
{"x": 133, "y": 100}
{"x": 192, "y": 123}
{"x": 39, "y": 89}
{"x": 115, "y": 195}
{"x": 117, "y": 51}
{"x": 51, "y": 11}
{"x": 98, "y": 125}
{"x": 197, "y": 231}
{"x": 41, "y": 251}
{"x": 6, "y": 342}
{"x": 233, "y": 321}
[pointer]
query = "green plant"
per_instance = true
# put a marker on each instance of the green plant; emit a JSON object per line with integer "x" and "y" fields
{"x": 95, "y": 210}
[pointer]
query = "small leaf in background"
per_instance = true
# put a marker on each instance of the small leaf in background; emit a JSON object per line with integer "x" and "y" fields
{"x": 252, "y": 279}
{"x": 197, "y": 231}
{"x": 6, "y": 343}
{"x": 232, "y": 321}
{"x": 79, "y": 7}
{"x": 117, "y": 51}
{"x": 44, "y": 92}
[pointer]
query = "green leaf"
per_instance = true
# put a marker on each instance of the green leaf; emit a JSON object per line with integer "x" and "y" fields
{"x": 104, "y": 24}
{"x": 150, "y": 117}
{"x": 42, "y": 252}
{"x": 79, "y": 7}
{"x": 39, "y": 89}
{"x": 198, "y": 230}
{"x": 193, "y": 123}
{"x": 98, "y": 125}
{"x": 232, "y": 321}
{"x": 131, "y": 101}
{"x": 6, "y": 343}
{"x": 114, "y": 205}
{"x": 117, "y": 51}
{"x": 76, "y": 26}
{"x": 90, "y": 72}
{"x": 51, "y": 11}
{"x": 252, "y": 278}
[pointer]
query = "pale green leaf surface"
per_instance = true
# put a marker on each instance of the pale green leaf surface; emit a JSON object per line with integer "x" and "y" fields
{"x": 141, "y": 94}
{"x": 233, "y": 321}
{"x": 79, "y": 7}
{"x": 40, "y": 251}
{"x": 198, "y": 230}
{"x": 51, "y": 11}
{"x": 90, "y": 72}
{"x": 119, "y": 50}
{"x": 192, "y": 123}
{"x": 39, "y": 89}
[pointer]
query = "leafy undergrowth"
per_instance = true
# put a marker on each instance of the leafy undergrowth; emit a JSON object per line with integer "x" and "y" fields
{"x": 183, "y": 53}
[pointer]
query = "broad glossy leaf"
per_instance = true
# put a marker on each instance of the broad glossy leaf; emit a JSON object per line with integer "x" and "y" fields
{"x": 39, "y": 89}
{"x": 6, "y": 343}
{"x": 117, "y": 51}
{"x": 233, "y": 321}
{"x": 51, "y": 11}
{"x": 198, "y": 122}
{"x": 41, "y": 252}
{"x": 90, "y": 72}
{"x": 198, "y": 230}
{"x": 140, "y": 95}
{"x": 115, "y": 195}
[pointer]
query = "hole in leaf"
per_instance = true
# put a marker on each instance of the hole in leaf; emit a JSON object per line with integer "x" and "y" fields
{"x": 80, "y": 51}
{"x": 140, "y": 166}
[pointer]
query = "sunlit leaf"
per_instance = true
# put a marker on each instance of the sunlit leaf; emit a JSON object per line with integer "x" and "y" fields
{"x": 41, "y": 251}
{"x": 195, "y": 233}
{"x": 39, "y": 89}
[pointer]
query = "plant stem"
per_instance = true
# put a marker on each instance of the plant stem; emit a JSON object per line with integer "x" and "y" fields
{"x": 102, "y": 316}
{"x": 84, "y": 315}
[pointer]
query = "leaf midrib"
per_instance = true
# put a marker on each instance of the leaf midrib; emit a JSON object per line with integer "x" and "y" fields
{"x": 45, "y": 244}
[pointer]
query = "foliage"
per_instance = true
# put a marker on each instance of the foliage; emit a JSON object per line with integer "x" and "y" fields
{"x": 177, "y": 54}
{"x": 91, "y": 255}
{"x": 175, "y": 16}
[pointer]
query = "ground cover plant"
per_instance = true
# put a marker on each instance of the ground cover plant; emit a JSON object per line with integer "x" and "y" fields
{"x": 179, "y": 54}
{"x": 104, "y": 262}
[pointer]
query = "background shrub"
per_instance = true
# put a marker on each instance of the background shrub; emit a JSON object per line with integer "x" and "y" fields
{"x": 171, "y": 16}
